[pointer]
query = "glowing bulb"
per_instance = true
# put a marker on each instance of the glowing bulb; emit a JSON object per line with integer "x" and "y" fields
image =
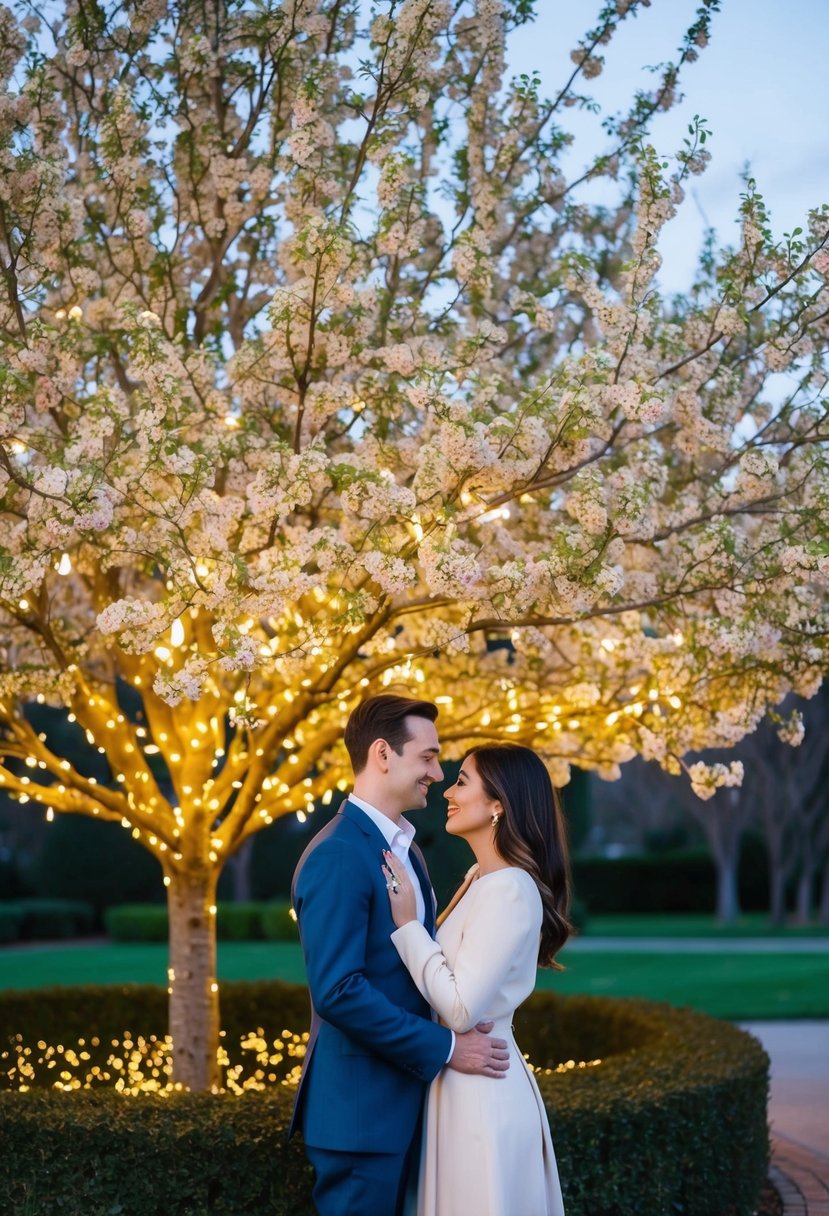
{"x": 65, "y": 564}
{"x": 176, "y": 633}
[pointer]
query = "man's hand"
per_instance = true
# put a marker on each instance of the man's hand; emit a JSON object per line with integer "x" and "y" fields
{"x": 476, "y": 1052}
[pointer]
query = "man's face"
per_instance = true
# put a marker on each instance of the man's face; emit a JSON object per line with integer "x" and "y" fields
{"x": 413, "y": 771}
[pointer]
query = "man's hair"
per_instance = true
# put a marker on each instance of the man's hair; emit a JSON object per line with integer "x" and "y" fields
{"x": 382, "y": 717}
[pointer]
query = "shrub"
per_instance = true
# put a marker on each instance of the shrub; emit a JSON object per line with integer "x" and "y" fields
{"x": 137, "y": 922}
{"x": 676, "y": 882}
{"x": 579, "y": 915}
{"x": 40, "y": 919}
{"x": 680, "y": 881}
{"x": 241, "y": 922}
{"x": 237, "y": 922}
{"x": 277, "y": 923}
{"x": 11, "y": 918}
{"x": 671, "y": 1121}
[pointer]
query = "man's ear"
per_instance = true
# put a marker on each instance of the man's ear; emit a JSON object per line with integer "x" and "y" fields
{"x": 379, "y": 753}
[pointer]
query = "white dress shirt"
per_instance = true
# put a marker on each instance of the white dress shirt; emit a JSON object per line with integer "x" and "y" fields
{"x": 399, "y": 837}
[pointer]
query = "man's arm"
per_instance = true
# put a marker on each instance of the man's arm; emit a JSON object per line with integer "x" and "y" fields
{"x": 333, "y": 898}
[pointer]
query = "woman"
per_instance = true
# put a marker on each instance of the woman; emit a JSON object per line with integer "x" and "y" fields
{"x": 487, "y": 1148}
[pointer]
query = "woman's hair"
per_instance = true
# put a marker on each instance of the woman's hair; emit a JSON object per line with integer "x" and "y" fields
{"x": 530, "y": 833}
{"x": 382, "y": 717}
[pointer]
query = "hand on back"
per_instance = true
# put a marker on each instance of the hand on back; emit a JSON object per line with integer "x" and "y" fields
{"x": 475, "y": 1052}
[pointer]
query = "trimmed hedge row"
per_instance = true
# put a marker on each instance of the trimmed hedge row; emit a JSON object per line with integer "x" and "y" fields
{"x": 673, "y": 1120}
{"x": 41, "y": 919}
{"x": 235, "y": 922}
{"x": 678, "y": 881}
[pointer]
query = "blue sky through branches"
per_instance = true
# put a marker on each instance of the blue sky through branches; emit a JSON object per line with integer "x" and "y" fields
{"x": 762, "y": 84}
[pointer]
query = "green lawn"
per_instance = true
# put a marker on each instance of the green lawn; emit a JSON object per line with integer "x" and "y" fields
{"x": 726, "y": 985}
{"x": 729, "y": 985}
{"x": 142, "y": 963}
{"x": 680, "y": 924}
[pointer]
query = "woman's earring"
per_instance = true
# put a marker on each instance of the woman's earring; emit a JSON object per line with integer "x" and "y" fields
{"x": 495, "y": 819}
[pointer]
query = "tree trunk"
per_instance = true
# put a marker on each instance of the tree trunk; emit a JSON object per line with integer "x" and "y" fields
{"x": 823, "y": 910}
{"x": 728, "y": 900}
{"x": 194, "y": 993}
{"x": 777, "y": 890}
{"x": 805, "y": 889}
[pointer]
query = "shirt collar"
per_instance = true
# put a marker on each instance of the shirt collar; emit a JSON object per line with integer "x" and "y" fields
{"x": 401, "y": 834}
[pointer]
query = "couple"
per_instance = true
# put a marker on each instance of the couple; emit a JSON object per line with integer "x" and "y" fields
{"x": 366, "y": 914}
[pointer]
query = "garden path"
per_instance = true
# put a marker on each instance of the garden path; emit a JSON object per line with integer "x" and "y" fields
{"x": 798, "y": 1112}
{"x": 801, "y": 1178}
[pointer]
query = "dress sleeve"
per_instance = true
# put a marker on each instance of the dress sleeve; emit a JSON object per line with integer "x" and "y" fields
{"x": 499, "y": 926}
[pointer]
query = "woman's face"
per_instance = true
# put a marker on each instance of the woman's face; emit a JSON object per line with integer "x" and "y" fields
{"x": 469, "y": 809}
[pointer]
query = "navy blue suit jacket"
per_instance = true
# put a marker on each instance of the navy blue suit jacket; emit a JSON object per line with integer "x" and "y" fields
{"x": 374, "y": 1046}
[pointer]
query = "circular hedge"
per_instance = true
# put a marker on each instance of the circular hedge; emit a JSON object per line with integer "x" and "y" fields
{"x": 670, "y": 1122}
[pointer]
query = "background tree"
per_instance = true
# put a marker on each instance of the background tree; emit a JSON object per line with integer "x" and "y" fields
{"x": 321, "y": 378}
{"x": 787, "y": 792}
{"x": 781, "y": 801}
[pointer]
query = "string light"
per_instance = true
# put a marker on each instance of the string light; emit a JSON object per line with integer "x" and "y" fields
{"x": 143, "y": 1064}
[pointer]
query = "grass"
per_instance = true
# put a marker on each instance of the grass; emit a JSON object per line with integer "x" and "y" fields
{"x": 142, "y": 963}
{"x": 681, "y": 924}
{"x": 727, "y": 984}
{"x": 734, "y": 986}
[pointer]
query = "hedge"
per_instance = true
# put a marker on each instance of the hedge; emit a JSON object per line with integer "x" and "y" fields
{"x": 672, "y": 1121}
{"x": 42, "y": 919}
{"x": 11, "y": 918}
{"x": 679, "y": 881}
{"x": 234, "y": 922}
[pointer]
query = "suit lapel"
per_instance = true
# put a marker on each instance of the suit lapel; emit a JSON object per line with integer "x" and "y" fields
{"x": 378, "y": 840}
{"x": 367, "y": 826}
{"x": 429, "y": 901}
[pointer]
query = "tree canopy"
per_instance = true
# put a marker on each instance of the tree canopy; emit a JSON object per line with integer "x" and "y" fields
{"x": 320, "y": 377}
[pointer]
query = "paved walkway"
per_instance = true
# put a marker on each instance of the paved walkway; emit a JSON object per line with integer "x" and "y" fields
{"x": 798, "y": 1112}
{"x": 801, "y": 1178}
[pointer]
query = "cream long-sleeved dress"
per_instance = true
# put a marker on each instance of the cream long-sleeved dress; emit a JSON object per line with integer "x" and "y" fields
{"x": 487, "y": 1149}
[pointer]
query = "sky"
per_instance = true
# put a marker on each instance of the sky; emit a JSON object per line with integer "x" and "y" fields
{"x": 762, "y": 84}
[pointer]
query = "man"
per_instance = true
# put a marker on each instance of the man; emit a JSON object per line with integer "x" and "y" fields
{"x": 374, "y": 1046}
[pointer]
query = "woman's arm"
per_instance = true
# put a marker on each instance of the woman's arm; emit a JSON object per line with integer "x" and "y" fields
{"x": 504, "y": 916}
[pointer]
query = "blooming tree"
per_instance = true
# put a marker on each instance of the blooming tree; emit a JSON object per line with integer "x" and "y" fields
{"x": 321, "y": 377}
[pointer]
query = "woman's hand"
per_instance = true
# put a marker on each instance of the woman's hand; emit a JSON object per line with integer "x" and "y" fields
{"x": 401, "y": 892}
